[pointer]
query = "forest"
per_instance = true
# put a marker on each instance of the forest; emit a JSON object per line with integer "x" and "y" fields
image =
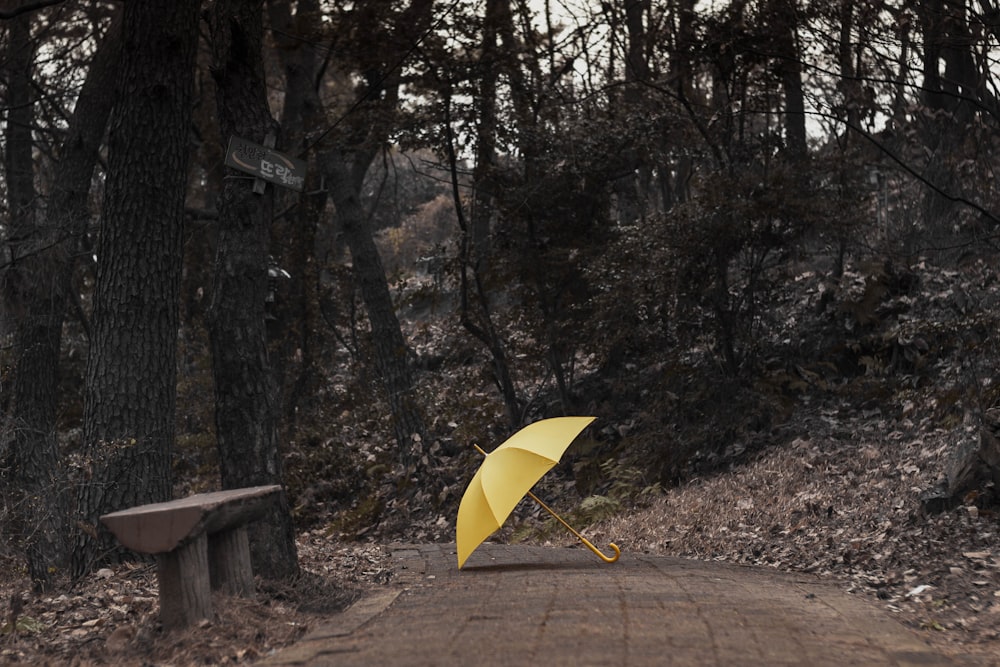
{"x": 705, "y": 223}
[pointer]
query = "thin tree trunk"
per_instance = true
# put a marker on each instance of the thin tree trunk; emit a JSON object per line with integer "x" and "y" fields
{"x": 790, "y": 66}
{"x": 675, "y": 177}
{"x": 345, "y": 168}
{"x": 45, "y": 274}
{"x": 850, "y": 86}
{"x": 33, "y": 450}
{"x": 481, "y": 327}
{"x": 293, "y": 331}
{"x": 390, "y": 349}
{"x": 486, "y": 128}
{"x": 246, "y": 401}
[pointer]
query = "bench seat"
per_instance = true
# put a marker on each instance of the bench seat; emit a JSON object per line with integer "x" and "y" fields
{"x": 200, "y": 544}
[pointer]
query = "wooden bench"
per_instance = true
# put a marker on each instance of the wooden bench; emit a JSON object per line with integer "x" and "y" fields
{"x": 200, "y": 544}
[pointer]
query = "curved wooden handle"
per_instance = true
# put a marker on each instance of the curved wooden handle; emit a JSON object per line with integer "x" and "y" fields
{"x": 586, "y": 542}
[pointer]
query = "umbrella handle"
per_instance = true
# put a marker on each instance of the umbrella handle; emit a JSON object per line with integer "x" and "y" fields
{"x": 586, "y": 542}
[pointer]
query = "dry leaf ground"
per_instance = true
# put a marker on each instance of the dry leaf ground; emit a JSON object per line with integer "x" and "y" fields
{"x": 111, "y": 617}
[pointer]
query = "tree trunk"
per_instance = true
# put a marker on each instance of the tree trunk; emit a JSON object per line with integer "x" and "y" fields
{"x": 900, "y": 98}
{"x": 18, "y": 160}
{"x": 390, "y": 350}
{"x": 849, "y": 85}
{"x": 675, "y": 175}
{"x": 246, "y": 402}
{"x": 293, "y": 331}
{"x": 345, "y": 168}
{"x": 131, "y": 370}
{"x": 946, "y": 38}
{"x": 44, "y": 274}
{"x": 484, "y": 330}
{"x": 790, "y": 66}
{"x": 34, "y": 451}
{"x": 480, "y": 217}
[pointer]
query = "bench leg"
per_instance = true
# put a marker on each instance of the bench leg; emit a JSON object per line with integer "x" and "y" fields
{"x": 229, "y": 562}
{"x": 185, "y": 594}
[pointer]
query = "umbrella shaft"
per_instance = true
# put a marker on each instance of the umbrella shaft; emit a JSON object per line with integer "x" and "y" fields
{"x": 580, "y": 537}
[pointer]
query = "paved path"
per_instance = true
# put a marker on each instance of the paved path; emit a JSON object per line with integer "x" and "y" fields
{"x": 519, "y": 605}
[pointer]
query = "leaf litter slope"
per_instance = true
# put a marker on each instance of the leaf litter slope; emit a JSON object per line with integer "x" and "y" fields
{"x": 843, "y": 503}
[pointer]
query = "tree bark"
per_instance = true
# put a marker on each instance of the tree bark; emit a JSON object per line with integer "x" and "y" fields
{"x": 246, "y": 400}
{"x": 946, "y": 38}
{"x": 345, "y": 168}
{"x": 131, "y": 370}
{"x": 36, "y": 530}
{"x": 484, "y": 171}
{"x": 293, "y": 333}
{"x": 849, "y": 85}
{"x": 44, "y": 274}
{"x": 391, "y": 354}
{"x": 790, "y": 66}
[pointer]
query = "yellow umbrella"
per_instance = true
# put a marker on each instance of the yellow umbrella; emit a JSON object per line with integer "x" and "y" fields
{"x": 507, "y": 475}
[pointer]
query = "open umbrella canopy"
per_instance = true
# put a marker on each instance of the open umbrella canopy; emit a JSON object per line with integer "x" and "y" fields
{"x": 507, "y": 474}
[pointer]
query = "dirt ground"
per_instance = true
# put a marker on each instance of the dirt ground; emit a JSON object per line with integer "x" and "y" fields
{"x": 111, "y": 618}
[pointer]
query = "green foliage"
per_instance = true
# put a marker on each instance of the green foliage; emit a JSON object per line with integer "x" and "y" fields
{"x": 625, "y": 486}
{"x": 362, "y": 515}
{"x": 628, "y": 483}
{"x": 22, "y": 625}
{"x": 325, "y": 477}
{"x": 597, "y": 508}
{"x": 196, "y": 462}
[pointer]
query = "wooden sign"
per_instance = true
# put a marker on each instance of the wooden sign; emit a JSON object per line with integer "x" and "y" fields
{"x": 266, "y": 163}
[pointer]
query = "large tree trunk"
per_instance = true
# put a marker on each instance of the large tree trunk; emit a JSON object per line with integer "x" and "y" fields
{"x": 131, "y": 370}
{"x": 246, "y": 403}
{"x": 44, "y": 275}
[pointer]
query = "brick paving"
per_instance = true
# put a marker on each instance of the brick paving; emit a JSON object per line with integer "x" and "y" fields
{"x": 521, "y": 605}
